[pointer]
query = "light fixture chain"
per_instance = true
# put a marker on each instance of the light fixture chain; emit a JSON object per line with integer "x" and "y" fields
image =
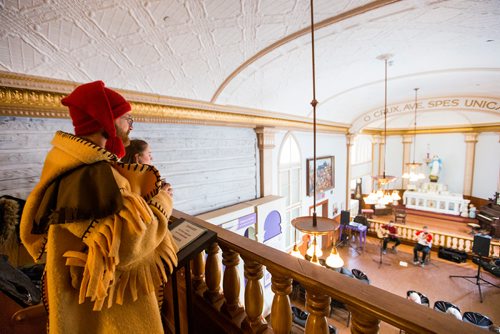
{"x": 314, "y": 103}
{"x": 385, "y": 115}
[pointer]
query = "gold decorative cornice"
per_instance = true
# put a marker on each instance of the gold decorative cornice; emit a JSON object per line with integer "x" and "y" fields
{"x": 27, "y": 96}
{"x": 494, "y": 127}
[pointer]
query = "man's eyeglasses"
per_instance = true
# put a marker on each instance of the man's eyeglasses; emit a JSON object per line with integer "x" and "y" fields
{"x": 129, "y": 119}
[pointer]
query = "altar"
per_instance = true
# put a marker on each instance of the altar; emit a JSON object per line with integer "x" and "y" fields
{"x": 440, "y": 202}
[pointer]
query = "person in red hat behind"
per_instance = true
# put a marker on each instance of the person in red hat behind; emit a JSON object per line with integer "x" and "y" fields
{"x": 100, "y": 226}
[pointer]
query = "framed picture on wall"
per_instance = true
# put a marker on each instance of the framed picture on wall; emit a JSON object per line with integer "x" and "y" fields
{"x": 325, "y": 174}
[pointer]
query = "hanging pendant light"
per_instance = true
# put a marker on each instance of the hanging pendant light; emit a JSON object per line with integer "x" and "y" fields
{"x": 334, "y": 260}
{"x": 295, "y": 251}
{"x": 314, "y": 225}
{"x": 413, "y": 174}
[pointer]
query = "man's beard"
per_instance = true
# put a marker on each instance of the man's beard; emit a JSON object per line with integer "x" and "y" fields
{"x": 123, "y": 135}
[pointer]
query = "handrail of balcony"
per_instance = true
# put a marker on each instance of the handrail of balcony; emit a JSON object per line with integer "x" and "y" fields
{"x": 368, "y": 304}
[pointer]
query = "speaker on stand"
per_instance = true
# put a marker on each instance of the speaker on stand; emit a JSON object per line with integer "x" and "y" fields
{"x": 480, "y": 247}
{"x": 345, "y": 217}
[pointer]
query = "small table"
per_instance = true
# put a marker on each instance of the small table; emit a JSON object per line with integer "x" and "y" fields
{"x": 184, "y": 256}
{"x": 360, "y": 228}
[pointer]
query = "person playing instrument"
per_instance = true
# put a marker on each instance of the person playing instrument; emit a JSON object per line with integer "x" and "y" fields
{"x": 390, "y": 233}
{"x": 424, "y": 244}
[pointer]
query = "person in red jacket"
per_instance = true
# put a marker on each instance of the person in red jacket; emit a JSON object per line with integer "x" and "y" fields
{"x": 390, "y": 234}
{"x": 424, "y": 244}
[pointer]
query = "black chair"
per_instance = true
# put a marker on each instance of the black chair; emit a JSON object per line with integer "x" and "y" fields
{"x": 342, "y": 270}
{"x": 300, "y": 317}
{"x": 358, "y": 274}
{"x": 477, "y": 319}
{"x": 446, "y": 307}
{"x": 423, "y": 298}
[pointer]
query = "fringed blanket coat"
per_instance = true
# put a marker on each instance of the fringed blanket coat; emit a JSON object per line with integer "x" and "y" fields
{"x": 103, "y": 227}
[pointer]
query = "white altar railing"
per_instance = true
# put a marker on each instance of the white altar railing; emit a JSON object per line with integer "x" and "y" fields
{"x": 448, "y": 204}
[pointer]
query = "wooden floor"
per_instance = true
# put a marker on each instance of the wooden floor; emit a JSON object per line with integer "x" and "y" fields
{"x": 400, "y": 275}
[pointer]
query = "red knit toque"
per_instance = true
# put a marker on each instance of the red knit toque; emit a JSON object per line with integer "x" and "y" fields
{"x": 93, "y": 107}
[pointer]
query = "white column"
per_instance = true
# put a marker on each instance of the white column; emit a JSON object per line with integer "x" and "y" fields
{"x": 407, "y": 141}
{"x": 470, "y": 153}
{"x": 265, "y": 139}
{"x": 375, "y": 163}
{"x": 349, "y": 141}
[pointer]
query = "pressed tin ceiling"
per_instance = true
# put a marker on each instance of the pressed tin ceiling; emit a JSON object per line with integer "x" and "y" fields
{"x": 256, "y": 53}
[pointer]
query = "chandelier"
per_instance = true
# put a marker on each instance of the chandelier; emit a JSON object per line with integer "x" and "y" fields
{"x": 313, "y": 225}
{"x": 414, "y": 174}
{"x": 382, "y": 196}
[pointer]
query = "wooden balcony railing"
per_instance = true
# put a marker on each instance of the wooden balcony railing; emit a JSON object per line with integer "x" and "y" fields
{"x": 462, "y": 243}
{"x": 369, "y": 305}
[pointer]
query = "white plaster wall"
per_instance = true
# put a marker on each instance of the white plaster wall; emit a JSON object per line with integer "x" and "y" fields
{"x": 394, "y": 160}
{"x": 327, "y": 144}
{"x": 451, "y": 149}
{"x": 487, "y": 166}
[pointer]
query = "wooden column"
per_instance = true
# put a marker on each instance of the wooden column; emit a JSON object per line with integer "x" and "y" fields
{"x": 254, "y": 298}
{"x": 231, "y": 283}
{"x": 349, "y": 142}
{"x": 407, "y": 141}
{"x": 281, "y": 312}
{"x": 213, "y": 275}
{"x": 265, "y": 139}
{"x": 318, "y": 306}
{"x": 361, "y": 323}
{"x": 470, "y": 154}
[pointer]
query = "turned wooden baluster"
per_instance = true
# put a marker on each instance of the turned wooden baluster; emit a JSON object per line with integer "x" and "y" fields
{"x": 254, "y": 298}
{"x": 281, "y": 310}
{"x": 231, "y": 283}
{"x": 213, "y": 275}
{"x": 198, "y": 270}
{"x": 318, "y": 306}
{"x": 362, "y": 323}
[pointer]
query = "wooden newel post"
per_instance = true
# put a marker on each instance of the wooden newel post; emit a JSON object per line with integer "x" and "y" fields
{"x": 213, "y": 275}
{"x": 363, "y": 323}
{"x": 254, "y": 298}
{"x": 231, "y": 283}
{"x": 281, "y": 311}
{"x": 318, "y": 305}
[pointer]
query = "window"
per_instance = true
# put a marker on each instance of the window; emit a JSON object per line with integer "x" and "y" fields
{"x": 361, "y": 151}
{"x": 289, "y": 185}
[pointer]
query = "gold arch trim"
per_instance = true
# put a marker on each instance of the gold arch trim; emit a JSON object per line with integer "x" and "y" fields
{"x": 29, "y": 102}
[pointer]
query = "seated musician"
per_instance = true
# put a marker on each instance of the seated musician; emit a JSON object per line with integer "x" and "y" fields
{"x": 424, "y": 244}
{"x": 390, "y": 233}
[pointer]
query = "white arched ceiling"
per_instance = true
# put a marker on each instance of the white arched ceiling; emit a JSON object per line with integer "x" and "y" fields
{"x": 257, "y": 54}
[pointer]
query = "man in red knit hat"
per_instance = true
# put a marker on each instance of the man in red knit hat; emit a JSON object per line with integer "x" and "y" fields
{"x": 100, "y": 226}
